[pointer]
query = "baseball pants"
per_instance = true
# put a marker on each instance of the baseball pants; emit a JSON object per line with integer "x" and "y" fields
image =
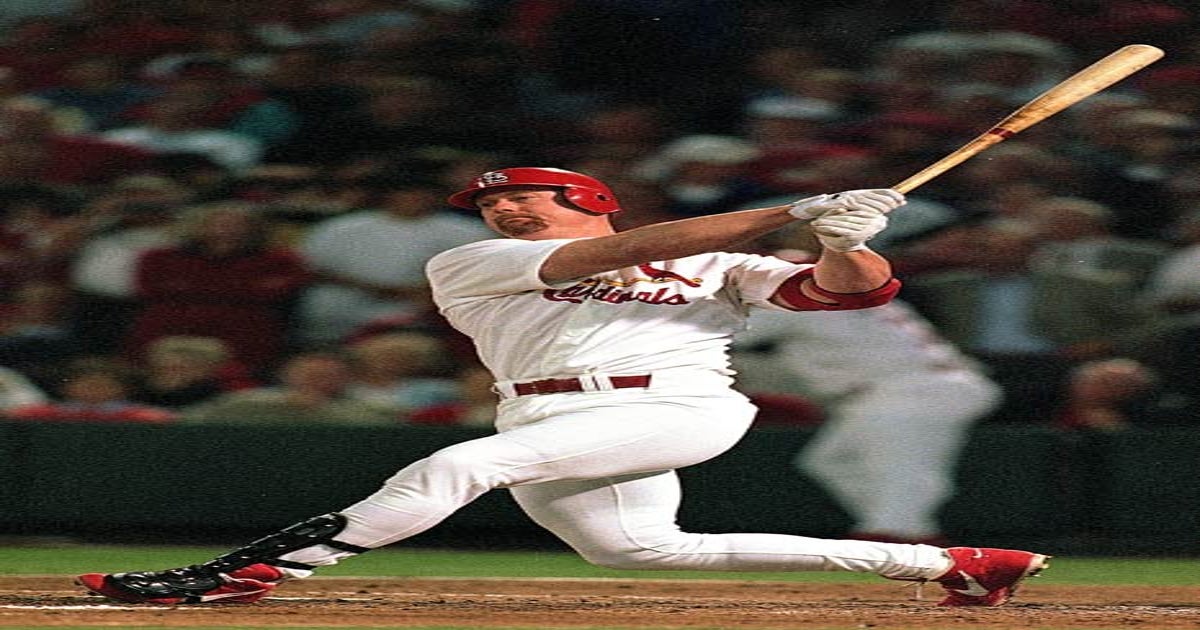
{"x": 597, "y": 470}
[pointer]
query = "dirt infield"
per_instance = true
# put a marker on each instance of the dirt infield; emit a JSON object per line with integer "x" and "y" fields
{"x": 398, "y": 602}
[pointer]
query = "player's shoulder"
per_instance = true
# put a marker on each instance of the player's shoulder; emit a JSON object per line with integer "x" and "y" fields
{"x": 487, "y": 247}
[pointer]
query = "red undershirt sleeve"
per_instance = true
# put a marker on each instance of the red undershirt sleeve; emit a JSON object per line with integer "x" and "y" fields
{"x": 793, "y": 297}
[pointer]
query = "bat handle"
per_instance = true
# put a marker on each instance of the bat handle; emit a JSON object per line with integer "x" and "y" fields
{"x": 983, "y": 141}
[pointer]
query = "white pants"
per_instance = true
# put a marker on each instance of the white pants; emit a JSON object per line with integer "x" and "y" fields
{"x": 888, "y": 453}
{"x": 597, "y": 470}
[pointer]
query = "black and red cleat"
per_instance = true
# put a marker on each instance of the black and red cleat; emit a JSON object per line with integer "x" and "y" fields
{"x": 187, "y": 585}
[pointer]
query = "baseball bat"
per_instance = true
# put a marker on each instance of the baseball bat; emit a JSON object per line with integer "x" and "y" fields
{"x": 1094, "y": 78}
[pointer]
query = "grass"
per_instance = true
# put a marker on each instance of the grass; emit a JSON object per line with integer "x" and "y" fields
{"x": 448, "y": 563}
{"x": 71, "y": 559}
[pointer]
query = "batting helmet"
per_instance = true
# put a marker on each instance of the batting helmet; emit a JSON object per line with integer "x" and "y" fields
{"x": 586, "y": 192}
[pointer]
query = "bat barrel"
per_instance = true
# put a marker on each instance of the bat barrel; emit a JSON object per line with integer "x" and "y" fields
{"x": 1098, "y": 76}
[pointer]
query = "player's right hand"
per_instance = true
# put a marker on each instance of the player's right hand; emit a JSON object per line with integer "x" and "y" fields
{"x": 849, "y": 231}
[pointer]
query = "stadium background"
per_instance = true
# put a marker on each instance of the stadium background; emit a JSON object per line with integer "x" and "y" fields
{"x": 1028, "y": 485}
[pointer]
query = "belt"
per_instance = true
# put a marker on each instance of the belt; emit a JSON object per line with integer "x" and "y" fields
{"x": 591, "y": 383}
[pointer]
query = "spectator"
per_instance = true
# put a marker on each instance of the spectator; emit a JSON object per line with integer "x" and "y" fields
{"x": 182, "y": 371}
{"x": 1021, "y": 65}
{"x": 172, "y": 125}
{"x": 296, "y": 196}
{"x": 98, "y": 91}
{"x": 1135, "y": 171}
{"x": 111, "y": 28}
{"x": 370, "y": 264}
{"x": 236, "y": 47}
{"x": 1174, "y": 88}
{"x": 309, "y": 388}
{"x": 782, "y": 68}
{"x": 475, "y": 406}
{"x": 38, "y": 234}
{"x": 790, "y": 134}
{"x": 1106, "y": 395}
{"x": 401, "y": 371}
{"x": 1078, "y": 237}
{"x": 353, "y": 21}
{"x": 222, "y": 280}
{"x": 624, "y": 131}
{"x": 645, "y": 202}
{"x": 228, "y": 101}
{"x": 1168, "y": 342}
{"x": 705, "y": 174}
{"x": 1028, "y": 324}
{"x": 1013, "y": 175}
{"x": 34, "y": 150}
{"x": 93, "y": 389}
{"x": 399, "y": 114}
{"x": 137, "y": 214}
{"x": 1097, "y": 27}
{"x": 1174, "y": 286}
{"x": 35, "y": 332}
{"x": 36, "y": 49}
{"x": 18, "y": 390}
{"x": 299, "y": 78}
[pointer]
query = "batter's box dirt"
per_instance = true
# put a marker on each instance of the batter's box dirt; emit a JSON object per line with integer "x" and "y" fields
{"x": 544, "y": 603}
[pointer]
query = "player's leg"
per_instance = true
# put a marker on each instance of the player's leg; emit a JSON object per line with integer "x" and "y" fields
{"x": 547, "y": 439}
{"x": 629, "y": 522}
{"x": 568, "y": 438}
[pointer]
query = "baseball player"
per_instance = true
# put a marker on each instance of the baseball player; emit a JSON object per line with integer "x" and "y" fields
{"x": 609, "y": 351}
{"x": 899, "y": 402}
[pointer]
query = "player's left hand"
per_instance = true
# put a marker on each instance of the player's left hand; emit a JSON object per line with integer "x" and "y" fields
{"x": 849, "y": 231}
{"x": 881, "y": 199}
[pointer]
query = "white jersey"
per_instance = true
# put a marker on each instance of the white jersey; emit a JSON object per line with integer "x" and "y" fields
{"x": 833, "y": 352}
{"x": 663, "y": 315}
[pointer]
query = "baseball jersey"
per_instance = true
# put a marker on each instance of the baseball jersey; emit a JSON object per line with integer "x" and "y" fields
{"x": 662, "y": 315}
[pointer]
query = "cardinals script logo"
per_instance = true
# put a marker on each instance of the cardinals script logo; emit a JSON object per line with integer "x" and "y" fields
{"x": 622, "y": 291}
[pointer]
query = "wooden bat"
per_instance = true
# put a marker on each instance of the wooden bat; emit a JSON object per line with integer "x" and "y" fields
{"x": 1101, "y": 74}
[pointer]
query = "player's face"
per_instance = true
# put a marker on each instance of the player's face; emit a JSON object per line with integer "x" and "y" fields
{"x": 533, "y": 212}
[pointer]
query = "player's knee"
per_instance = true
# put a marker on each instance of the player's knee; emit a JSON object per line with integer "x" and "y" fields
{"x": 451, "y": 467}
{"x": 631, "y": 559}
{"x": 464, "y": 460}
{"x": 451, "y": 459}
{"x": 661, "y": 552}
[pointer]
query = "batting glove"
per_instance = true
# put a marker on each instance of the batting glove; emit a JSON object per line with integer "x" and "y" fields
{"x": 880, "y": 199}
{"x": 812, "y": 207}
{"x": 849, "y": 231}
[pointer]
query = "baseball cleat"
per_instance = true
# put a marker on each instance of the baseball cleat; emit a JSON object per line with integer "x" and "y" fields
{"x": 186, "y": 585}
{"x": 987, "y": 577}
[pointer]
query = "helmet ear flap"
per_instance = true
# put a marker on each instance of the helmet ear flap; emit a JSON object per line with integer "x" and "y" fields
{"x": 592, "y": 200}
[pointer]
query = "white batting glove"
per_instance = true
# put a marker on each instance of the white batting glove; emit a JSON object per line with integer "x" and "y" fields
{"x": 881, "y": 199}
{"x": 849, "y": 231}
{"x": 812, "y": 207}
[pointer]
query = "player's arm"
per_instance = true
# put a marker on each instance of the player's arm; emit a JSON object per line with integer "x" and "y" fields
{"x": 848, "y": 275}
{"x": 718, "y": 232}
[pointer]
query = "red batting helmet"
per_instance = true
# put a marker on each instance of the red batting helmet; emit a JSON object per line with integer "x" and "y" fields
{"x": 586, "y": 192}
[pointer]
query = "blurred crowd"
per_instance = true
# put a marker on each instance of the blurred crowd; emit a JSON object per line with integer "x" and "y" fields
{"x": 219, "y": 211}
